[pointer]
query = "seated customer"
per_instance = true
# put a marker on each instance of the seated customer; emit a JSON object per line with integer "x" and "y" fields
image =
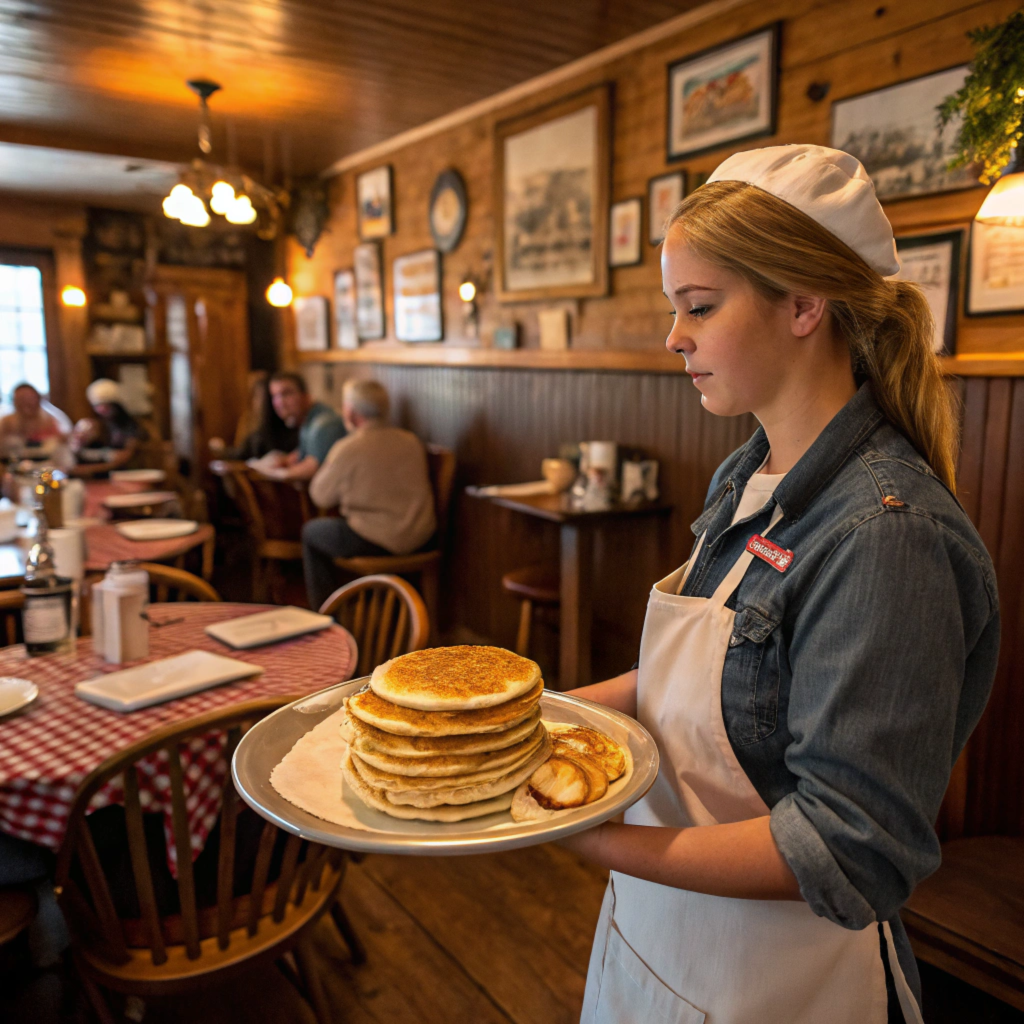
{"x": 111, "y": 437}
{"x": 319, "y": 426}
{"x": 260, "y": 430}
{"x": 32, "y": 425}
{"x": 378, "y": 477}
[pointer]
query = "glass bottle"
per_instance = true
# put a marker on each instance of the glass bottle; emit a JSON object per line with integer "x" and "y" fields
{"x": 46, "y": 619}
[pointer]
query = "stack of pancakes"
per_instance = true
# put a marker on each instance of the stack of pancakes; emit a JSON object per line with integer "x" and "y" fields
{"x": 445, "y": 734}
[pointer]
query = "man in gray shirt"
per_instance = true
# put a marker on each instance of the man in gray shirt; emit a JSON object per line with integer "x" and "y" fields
{"x": 377, "y": 477}
{"x": 319, "y": 427}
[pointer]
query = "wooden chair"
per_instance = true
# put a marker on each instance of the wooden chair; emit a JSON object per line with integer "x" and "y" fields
{"x": 427, "y": 564}
{"x": 535, "y": 586}
{"x": 11, "y": 603}
{"x": 384, "y": 614}
{"x": 170, "y": 584}
{"x": 17, "y": 911}
{"x": 274, "y": 512}
{"x": 968, "y": 918}
{"x": 155, "y": 954}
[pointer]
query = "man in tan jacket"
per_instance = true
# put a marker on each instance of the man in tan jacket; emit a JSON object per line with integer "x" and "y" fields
{"x": 377, "y": 477}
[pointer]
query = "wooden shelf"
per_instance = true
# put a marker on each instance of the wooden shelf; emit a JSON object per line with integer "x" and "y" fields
{"x": 981, "y": 364}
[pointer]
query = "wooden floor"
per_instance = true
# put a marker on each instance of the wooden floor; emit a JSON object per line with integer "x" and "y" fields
{"x": 490, "y": 939}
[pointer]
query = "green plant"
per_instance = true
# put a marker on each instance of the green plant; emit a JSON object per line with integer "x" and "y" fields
{"x": 991, "y": 101}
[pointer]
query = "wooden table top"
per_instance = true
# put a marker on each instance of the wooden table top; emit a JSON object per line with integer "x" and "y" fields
{"x": 557, "y": 508}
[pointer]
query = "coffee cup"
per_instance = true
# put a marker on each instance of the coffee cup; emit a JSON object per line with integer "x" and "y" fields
{"x": 560, "y": 473}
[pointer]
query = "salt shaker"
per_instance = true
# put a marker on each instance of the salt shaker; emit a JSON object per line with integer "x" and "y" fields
{"x": 120, "y": 628}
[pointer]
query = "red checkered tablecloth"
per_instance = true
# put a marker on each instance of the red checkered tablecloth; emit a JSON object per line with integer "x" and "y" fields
{"x": 48, "y": 749}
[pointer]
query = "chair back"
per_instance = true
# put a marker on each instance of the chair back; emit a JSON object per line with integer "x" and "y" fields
{"x": 169, "y": 584}
{"x": 11, "y": 603}
{"x": 85, "y": 895}
{"x": 441, "y": 467}
{"x": 386, "y": 616}
{"x": 273, "y": 509}
{"x": 156, "y": 454}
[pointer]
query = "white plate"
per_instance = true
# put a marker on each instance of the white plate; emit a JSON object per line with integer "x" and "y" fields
{"x": 137, "y": 500}
{"x": 163, "y": 680}
{"x": 156, "y": 529}
{"x": 263, "y": 747}
{"x": 268, "y": 627}
{"x": 138, "y": 476}
{"x": 16, "y": 694}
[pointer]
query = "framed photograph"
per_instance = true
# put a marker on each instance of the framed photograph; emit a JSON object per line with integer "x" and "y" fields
{"x": 894, "y": 133}
{"x": 417, "y": 283}
{"x": 626, "y": 225}
{"x": 995, "y": 275}
{"x": 664, "y": 194}
{"x": 448, "y": 209}
{"x": 723, "y": 95}
{"x": 933, "y": 263}
{"x": 551, "y": 200}
{"x": 373, "y": 198}
{"x": 311, "y": 329}
{"x": 369, "y": 292}
{"x": 345, "y": 334}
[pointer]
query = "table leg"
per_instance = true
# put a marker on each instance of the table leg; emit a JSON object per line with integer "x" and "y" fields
{"x": 577, "y": 546}
{"x": 208, "y": 559}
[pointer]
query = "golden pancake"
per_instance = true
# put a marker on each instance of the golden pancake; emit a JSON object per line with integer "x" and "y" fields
{"x": 447, "y": 812}
{"x": 402, "y": 721}
{"x": 603, "y": 749}
{"x": 560, "y": 783}
{"x": 367, "y": 738}
{"x": 461, "y": 678}
{"x": 444, "y": 766}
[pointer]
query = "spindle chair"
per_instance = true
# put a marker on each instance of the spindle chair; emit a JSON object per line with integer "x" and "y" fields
{"x": 158, "y": 953}
{"x": 169, "y": 584}
{"x": 386, "y": 616}
{"x": 11, "y": 603}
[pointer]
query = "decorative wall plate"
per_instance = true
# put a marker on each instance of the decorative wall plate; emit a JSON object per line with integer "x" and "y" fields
{"x": 448, "y": 209}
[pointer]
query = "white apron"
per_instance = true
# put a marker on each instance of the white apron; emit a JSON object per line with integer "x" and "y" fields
{"x": 669, "y": 956}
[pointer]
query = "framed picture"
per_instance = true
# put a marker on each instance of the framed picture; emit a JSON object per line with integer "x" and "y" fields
{"x": 723, "y": 95}
{"x": 933, "y": 263}
{"x": 664, "y": 194}
{"x": 311, "y": 329}
{"x": 551, "y": 200}
{"x": 345, "y": 333}
{"x": 417, "y": 282}
{"x": 624, "y": 246}
{"x": 369, "y": 292}
{"x": 995, "y": 276}
{"x": 373, "y": 198}
{"x": 894, "y": 133}
{"x": 448, "y": 209}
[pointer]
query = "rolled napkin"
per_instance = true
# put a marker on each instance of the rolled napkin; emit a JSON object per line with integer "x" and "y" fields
{"x": 517, "y": 490}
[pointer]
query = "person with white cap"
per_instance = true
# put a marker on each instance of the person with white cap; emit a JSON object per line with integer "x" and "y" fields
{"x": 110, "y": 438}
{"x": 813, "y": 672}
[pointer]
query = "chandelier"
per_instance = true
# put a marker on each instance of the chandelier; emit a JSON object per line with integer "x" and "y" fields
{"x": 206, "y": 187}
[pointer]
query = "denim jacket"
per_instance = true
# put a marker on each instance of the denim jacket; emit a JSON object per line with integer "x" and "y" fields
{"x": 855, "y": 676}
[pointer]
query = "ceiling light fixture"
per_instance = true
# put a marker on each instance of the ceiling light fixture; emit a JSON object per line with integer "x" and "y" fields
{"x": 71, "y": 295}
{"x": 279, "y": 294}
{"x": 230, "y": 193}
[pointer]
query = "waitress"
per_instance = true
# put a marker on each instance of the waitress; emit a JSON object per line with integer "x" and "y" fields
{"x": 813, "y": 672}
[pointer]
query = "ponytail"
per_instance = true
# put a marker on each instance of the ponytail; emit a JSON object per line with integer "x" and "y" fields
{"x": 887, "y": 325}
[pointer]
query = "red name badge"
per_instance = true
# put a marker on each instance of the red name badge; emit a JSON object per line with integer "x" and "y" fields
{"x": 776, "y": 557}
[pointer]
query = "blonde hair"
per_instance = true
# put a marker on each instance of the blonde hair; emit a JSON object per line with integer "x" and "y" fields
{"x": 368, "y": 398}
{"x": 887, "y": 324}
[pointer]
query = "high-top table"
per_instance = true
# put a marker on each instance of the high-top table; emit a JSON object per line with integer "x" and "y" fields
{"x": 576, "y": 535}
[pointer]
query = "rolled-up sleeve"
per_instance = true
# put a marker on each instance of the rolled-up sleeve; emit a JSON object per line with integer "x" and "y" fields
{"x": 900, "y": 615}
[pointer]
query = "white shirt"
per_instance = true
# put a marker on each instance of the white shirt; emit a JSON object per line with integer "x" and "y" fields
{"x": 760, "y": 487}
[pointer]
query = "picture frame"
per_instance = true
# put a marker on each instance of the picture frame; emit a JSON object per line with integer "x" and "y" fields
{"x": 366, "y": 266}
{"x": 625, "y": 233}
{"x": 932, "y": 261}
{"x": 723, "y": 95}
{"x": 664, "y": 193}
{"x": 346, "y": 334}
{"x": 311, "y": 323}
{"x": 374, "y": 203}
{"x": 894, "y": 133}
{"x": 417, "y": 290}
{"x": 552, "y": 172}
{"x": 995, "y": 271}
{"x": 449, "y": 208}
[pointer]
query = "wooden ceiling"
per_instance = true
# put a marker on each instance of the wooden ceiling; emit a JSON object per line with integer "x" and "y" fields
{"x": 306, "y": 82}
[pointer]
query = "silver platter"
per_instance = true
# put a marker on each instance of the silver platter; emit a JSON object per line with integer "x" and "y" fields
{"x": 267, "y": 742}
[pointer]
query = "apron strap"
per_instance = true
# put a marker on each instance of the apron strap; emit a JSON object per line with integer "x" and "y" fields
{"x": 739, "y": 569}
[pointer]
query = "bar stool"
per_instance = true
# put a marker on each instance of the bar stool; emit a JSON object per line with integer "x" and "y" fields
{"x": 534, "y": 585}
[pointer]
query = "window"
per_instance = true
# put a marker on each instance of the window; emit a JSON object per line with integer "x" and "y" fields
{"x": 22, "y": 330}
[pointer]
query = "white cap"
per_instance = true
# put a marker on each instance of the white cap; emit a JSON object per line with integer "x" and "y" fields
{"x": 830, "y": 186}
{"x": 103, "y": 392}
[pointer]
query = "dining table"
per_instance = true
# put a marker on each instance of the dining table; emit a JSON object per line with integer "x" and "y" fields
{"x": 51, "y": 745}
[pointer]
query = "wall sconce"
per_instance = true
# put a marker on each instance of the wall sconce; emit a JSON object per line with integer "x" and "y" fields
{"x": 470, "y": 314}
{"x": 279, "y": 294}
{"x": 71, "y": 295}
{"x": 1004, "y": 205}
